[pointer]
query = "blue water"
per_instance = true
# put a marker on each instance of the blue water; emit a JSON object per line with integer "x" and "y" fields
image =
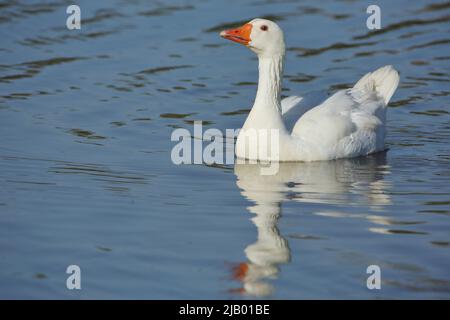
{"x": 86, "y": 176}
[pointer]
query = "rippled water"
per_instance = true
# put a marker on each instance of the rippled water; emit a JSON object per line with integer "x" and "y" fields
{"x": 86, "y": 177}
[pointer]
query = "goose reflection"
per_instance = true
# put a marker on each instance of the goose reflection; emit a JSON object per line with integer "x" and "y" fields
{"x": 344, "y": 181}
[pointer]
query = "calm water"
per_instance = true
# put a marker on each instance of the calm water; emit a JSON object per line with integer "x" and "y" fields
{"x": 86, "y": 176}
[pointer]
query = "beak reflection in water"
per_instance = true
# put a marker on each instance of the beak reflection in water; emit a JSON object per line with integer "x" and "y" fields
{"x": 357, "y": 181}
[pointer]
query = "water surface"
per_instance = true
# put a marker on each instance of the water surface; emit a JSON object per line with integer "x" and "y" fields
{"x": 86, "y": 176}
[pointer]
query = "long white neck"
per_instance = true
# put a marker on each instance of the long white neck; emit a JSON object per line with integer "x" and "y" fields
{"x": 266, "y": 111}
{"x": 269, "y": 83}
{"x": 272, "y": 139}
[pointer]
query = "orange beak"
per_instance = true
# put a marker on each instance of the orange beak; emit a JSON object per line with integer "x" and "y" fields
{"x": 240, "y": 35}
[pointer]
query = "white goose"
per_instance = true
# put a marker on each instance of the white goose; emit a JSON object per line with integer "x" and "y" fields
{"x": 348, "y": 124}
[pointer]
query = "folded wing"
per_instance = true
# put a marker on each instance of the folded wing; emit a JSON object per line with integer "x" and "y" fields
{"x": 351, "y": 122}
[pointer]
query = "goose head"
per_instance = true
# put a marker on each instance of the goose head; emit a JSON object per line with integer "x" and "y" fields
{"x": 262, "y": 36}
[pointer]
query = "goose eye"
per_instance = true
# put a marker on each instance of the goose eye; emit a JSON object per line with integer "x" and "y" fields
{"x": 264, "y": 28}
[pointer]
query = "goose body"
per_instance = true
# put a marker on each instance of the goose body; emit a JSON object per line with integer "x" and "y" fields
{"x": 349, "y": 123}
